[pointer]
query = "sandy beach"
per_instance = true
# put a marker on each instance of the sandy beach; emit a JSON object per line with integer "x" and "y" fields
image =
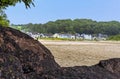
{"x": 78, "y": 53}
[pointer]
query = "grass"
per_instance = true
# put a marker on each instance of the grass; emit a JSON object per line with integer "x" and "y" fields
{"x": 64, "y": 39}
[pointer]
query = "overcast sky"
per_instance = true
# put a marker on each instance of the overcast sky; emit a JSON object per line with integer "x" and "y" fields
{"x": 51, "y": 10}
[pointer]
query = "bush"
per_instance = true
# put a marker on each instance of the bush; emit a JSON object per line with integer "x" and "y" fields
{"x": 4, "y": 23}
{"x": 116, "y": 37}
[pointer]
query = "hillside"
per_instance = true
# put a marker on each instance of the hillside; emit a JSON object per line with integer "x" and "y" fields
{"x": 80, "y": 26}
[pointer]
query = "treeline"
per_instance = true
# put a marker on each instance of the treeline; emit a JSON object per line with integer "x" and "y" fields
{"x": 80, "y": 26}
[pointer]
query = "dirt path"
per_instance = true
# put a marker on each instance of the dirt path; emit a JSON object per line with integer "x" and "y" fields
{"x": 73, "y": 53}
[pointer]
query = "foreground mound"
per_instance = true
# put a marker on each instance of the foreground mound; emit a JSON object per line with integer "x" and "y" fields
{"x": 20, "y": 54}
{"x": 22, "y": 57}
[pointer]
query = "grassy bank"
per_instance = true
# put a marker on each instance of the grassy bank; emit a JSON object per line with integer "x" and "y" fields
{"x": 62, "y": 39}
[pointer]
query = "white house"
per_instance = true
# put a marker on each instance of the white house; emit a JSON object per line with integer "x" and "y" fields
{"x": 68, "y": 36}
{"x": 35, "y": 35}
{"x": 86, "y": 36}
{"x": 56, "y": 35}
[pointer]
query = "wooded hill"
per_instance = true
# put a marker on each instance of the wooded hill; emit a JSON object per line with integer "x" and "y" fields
{"x": 80, "y": 26}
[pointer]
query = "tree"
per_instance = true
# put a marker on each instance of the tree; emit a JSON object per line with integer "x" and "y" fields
{"x": 5, "y": 3}
{"x": 3, "y": 19}
{"x": 80, "y": 26}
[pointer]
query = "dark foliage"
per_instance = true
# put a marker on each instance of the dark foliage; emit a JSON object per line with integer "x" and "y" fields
{"x": 87, "y": 26}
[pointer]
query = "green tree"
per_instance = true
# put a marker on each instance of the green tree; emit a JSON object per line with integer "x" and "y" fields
{"x": 3, "y": 19}
{"x": 80, "y": 26}
{"x": 5, "y": 3}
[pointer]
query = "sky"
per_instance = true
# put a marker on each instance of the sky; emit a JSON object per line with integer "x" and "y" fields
{"x": 51, "y": 10}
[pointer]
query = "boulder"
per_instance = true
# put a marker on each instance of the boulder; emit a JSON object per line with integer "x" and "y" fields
{"x": 105, "y": 69}
{"x": 21, "y": 54}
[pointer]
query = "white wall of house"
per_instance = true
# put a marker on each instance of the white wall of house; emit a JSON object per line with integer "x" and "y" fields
{"x": 68, "y": 36}
{"x": 87, "y": 36}
{"x": 56, "y": 35}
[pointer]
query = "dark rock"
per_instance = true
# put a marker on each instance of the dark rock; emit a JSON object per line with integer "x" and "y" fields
{"x": 22, "y": 57}
{"x": 24, "y": 53}
{"x": 112, "y": 65}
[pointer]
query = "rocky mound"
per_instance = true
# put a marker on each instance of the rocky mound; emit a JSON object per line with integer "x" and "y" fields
{"x": 22, "y": 57}
{"x": 20, "y": 54}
